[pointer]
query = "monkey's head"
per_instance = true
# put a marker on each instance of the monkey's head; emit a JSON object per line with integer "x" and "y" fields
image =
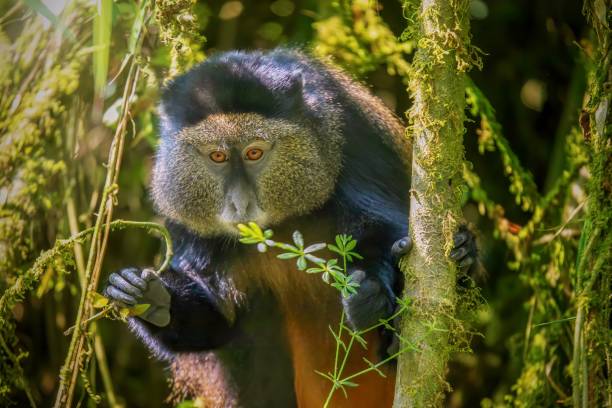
{"x": 236, "y": 147}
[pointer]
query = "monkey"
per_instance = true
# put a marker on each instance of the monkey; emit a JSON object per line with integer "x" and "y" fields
{"x": 291, "y": 143}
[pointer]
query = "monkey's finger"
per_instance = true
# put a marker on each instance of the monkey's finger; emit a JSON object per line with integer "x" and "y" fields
{"x": 132, "y": 276}
{"x": 149, "y": 275}
{"x": 115, "y": 294}
{"x": 362, "y": 315}
{"x": 358, "y": 276}
{"x": 156, "y": 291}
{"x": 458, "y": 253}
{"x": 125, "y": 286}
{"x": 460, "y": 237}
{"x": 401, "y": 247}
{"x": 368, "y": 290}
{"x": 467, "y": 261}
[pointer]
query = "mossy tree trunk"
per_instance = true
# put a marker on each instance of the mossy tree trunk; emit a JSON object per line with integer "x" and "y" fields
{"x": 436, "y": 118}
{"x": 591, "y": 364}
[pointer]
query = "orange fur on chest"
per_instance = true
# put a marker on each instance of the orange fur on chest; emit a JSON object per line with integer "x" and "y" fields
{"x": 310, "y": 307}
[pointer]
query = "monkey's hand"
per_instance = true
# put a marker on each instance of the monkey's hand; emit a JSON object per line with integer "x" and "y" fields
{"x": 371, "y": 303}
{"x": 464, "y": 253}
{"x": 132, "y": 286}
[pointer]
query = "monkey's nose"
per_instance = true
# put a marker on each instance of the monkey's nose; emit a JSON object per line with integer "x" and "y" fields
{"x": 239, "y": 207}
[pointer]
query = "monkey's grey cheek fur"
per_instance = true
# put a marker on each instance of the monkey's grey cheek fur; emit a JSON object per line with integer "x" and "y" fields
{"x": 297, "y": 180}
{"x": 183, "y": 190}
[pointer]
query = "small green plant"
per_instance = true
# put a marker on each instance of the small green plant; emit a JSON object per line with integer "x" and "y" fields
{"x": 334, "y": 272}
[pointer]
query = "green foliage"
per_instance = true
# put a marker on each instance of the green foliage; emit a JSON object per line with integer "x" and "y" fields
{"x": 354, "y": 35}
{"x": 331, "y": 273}
{"x": 490, "y": 137}
{"x": 34, "y": 101}
{"x": 178, "y": 27}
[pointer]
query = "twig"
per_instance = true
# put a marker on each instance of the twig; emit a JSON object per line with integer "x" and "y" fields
{"x": 75, "y": 353}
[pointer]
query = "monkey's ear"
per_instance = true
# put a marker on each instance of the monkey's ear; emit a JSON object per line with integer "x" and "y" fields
{"x": 167, "y": 127}
{"x": 294, "y": 92}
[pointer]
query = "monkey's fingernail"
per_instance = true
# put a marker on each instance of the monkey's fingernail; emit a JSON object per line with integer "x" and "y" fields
{"x": 358, "y": 276}
{"x": 458, "y": 253}
{"x": 466, "y": 262}
{"x": 459, "y": 238}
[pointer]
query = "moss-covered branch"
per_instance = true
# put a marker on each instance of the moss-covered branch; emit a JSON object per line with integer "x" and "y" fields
{"x": 436, "y": 120}
{"x": 591, "y": 384}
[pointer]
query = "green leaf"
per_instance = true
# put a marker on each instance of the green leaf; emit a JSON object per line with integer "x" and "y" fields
{"x": 187, "y": 404}
{"x": 314, "y": 247}
{"x": 287, "y": 247}
{"x": 256, "y": 229}
{"x": 351, "y": 245}
{"x": 315, "y": 259}
{"x": 244, "y": 230}
{"x": 287, "y": 255}
{"x": 404, "y": 303}
{"x": 334, "y": 248}
{"x": 137, "y": 27}
{"x": 354, "y": 254}
{"x": 139, "y": 309}
{"x": 301, "y": 263}
{"x": 357, "y": 336}
{"x": 328, "y": 376}
{"x": 124, "y": 312}
{"x": 248, "y": 240}
{"x": 98, "y": 301}
{"x": 373, "y": 367}
{"x": 339, "y": 242}
{"x": 337, "y": 337}
{"x": 298, "y": 239}
{"x": 348, "y": 383}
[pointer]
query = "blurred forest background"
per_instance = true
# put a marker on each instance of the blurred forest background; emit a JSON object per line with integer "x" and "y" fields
{"x": 62, "y": 97}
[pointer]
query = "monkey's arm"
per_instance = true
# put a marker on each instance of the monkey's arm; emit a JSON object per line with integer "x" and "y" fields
{"x": 379, "y": 276}
{"x": 182, "y": 316}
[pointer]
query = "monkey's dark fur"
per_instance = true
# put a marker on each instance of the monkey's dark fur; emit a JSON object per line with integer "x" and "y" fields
{"x": 239, "y": 323}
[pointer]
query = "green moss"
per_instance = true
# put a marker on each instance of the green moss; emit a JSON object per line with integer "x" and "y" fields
{"x": 355, "y": 37}
{"x": 178, "y": 29}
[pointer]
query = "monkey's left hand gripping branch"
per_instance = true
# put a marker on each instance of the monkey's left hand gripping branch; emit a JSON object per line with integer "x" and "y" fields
{"x": 18, "y": 290}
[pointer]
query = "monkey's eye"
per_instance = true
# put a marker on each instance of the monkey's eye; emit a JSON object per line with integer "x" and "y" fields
{"x": 218, "y": 156}
{"x": 254, "y": 154}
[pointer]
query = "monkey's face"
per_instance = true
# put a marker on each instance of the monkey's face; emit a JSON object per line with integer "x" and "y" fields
{"x": 240, "y": 167}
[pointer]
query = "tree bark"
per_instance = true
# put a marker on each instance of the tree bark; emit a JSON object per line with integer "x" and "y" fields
{"x": 436, "y": 122}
